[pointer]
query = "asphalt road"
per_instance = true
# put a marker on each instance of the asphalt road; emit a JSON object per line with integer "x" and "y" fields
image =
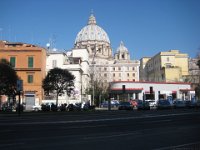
{"x": 102, "y": 130}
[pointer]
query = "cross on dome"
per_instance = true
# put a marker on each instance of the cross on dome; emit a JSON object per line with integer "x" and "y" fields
{"x": 122, "y": 48}
{"x": 121, "y": 44}
{"x": 92, "y": 19}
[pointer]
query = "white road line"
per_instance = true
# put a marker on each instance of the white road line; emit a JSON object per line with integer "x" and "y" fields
{"x": 10, "y": 144}
{"x": 177, "y": 146}
{"x": 95, "y": 120}
{"x": 157, "y": 121}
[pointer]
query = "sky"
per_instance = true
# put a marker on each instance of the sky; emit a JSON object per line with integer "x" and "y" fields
{"x": 146, "y": 27}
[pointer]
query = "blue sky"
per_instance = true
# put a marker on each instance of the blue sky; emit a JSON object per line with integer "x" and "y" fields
{"x": 145, "y": 26}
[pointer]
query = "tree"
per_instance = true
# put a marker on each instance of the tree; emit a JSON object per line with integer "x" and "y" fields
{"x": 8, "y": 79}
{"x": 198, "y": 63}
{"x": 197, "y": 89}
{"x": 100, "y": 85}
{"x": 58, "y": 81}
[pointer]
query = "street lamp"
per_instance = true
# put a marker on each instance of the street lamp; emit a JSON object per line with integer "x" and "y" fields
{"x": 93, "y": 76}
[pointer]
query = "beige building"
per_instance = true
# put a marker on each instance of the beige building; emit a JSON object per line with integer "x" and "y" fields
{"x": 194, "y": 73}
{"x": 168, "y": 66}
{"x": 120, "y": 68}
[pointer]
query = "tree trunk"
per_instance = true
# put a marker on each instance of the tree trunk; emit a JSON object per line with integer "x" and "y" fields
{"x": 57, "y": 99}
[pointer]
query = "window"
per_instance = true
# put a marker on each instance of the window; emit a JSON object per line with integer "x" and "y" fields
{"x": 122, "y": 56}
{"x": 54, "y": 63}
{"x": 30, "y": 78}
{"x": 113, "y": 68}
{"x": 105, "y": 75}
{"x": 12, "y": 61}
{"x": 113, "y": 74}
{"x": 127, "y": 74}
{"x": 168, "y": 65}
{"x": 105, "y": 69}
{"x": 133, "y": 68}
{"x": 119, "y": 68}
{"x": 168, "y": 59}
{"x": 133, "y": 74}
{"x": 30, "y": 62}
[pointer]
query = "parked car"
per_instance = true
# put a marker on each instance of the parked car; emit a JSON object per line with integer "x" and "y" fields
{"x": 36, "y": 108}
{"x": 133, "y": 103}
{"x": 46, "y": 107}
{"x": 164, "y": 104}
{"x": 113, "y": 103}
{"x": 63, "y": 107}
{"x": 144, "y": 105}
{"x": 190, "y": 104}
{"x": 179, "y": 104}
{"x": 198, "y": 103}
{"x": 74, "y": 107}
{"x": 152, "y": 103}
{"x": 125, "y": 106}
{"x": 104, "y": 104}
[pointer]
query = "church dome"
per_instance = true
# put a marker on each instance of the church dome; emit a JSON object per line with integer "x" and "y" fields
{"x": 122, "y": 48}
{"x": 92, "y": 32}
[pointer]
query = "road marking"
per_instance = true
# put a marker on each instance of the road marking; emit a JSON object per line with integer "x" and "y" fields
{"x": 95, "y": 120}
{"x": 157, "y": 121}
{"x": 178, "y": 146}
{"x": 5, "y": 130}
{"x": 11, "y": 144}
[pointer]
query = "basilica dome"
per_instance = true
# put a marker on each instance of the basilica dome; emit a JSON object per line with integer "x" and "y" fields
{"x": 94, "y": 39}
{"x": 92, "y": 32}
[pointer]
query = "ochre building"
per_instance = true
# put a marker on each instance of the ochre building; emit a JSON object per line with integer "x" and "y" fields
{"x": 29, "y": 61}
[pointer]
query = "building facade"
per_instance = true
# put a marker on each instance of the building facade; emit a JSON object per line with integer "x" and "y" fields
{"x": 76, "y": 62}
{"x": 168, "y": 66}
{"x": 29, "y": 61}
{"x": 103, "y": 64}
{"x": 160, "y": 90}
{"x": 194, "y": 73}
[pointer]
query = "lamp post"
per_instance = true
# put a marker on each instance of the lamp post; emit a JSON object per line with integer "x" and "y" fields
{"x": 93, "y": 76}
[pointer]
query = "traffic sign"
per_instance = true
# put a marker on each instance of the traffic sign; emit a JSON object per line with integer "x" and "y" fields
{"x": 19, "y": 85}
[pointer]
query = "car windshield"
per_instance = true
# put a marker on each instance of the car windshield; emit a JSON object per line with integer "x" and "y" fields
{"x": 164, "y": 102}
{"x": 124, "y": 103}
{"x": 180, "y": 102}
{"x": 151, "y": 101}
{"x": 139, "y": 102}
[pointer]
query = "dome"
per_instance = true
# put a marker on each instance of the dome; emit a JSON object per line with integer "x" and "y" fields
{"x": 122, "y": 48}
{"x": 92, "y": 32}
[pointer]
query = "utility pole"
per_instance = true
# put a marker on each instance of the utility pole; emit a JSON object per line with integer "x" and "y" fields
{"x": 93, "y": 76}
{"x": 19, "y": 89}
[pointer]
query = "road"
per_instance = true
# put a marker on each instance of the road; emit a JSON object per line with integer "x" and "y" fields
{"x": 118, "y": 130}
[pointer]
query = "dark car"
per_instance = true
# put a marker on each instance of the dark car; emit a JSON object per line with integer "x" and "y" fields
{"x": 125, "y": 106}
{"x": 190, "y": 104}
{"x": 104, "y": 104}
{"x": 164, "y": 104}
{"x": 142, "y": 105}
{"x": 198, "y": 104}
{"x": 179, "y": 104}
